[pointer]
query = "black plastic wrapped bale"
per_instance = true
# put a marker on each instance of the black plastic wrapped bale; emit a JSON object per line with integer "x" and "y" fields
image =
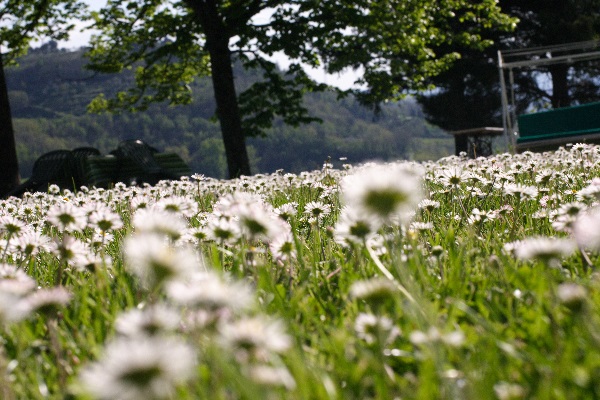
{"x": 81, "y": 155}
{"x": 138, "y": 165}
{"x": 56, "y": 167}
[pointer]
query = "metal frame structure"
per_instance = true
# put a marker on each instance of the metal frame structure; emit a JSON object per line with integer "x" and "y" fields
{"x": 509, "y": 60}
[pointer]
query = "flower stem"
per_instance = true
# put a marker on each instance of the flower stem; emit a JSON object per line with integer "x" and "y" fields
{"x": 389, "y": 276}
{"x": 52, "y": 325}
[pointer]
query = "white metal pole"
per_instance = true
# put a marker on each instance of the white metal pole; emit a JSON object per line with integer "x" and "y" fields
{"x": 506, "y": 125}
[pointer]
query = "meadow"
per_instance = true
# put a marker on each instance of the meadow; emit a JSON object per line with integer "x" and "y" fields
{"x": 455, "y": 279}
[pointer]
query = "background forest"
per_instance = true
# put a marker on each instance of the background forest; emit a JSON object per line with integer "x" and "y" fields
{"x": 50, "y": 89}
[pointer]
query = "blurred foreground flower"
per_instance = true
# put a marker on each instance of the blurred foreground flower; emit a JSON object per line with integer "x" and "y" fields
{"x": 372, "y": 328}
{"x": 388, "y": 192}
{"x": 548, "y": 250}
{"x": 586, "y": 229}
{"x": 255, "y": 337}
{"x": 152, "y": 320}
{"x": 153, "y": 220}
{"x": 509, "y": 391}
{"x": 15, "y": 281}
{"x": 433, "y": 335}
{"x": 272, "y": 376}
{"x": 374, "y": 291}
{"x": 12, "y": 308}
{"x": 139, "y": 369}
{"x": 208, "y": 291}
{"x": 48, "y": 301}
{"x": 152, "y": 259}
{"x": 572, "y": 295}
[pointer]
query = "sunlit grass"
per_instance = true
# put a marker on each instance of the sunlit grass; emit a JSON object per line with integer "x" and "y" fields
{"x": 468, "y": 279}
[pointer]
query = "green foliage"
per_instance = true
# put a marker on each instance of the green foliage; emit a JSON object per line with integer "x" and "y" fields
{"x": 52, "y": 90}
{"x": 279, "y": 94}
{"x": 401, "y": 44}
{"x": 473, "y": 81}
{"x": 397, "y": 44}
{"x": 22, "y": 21}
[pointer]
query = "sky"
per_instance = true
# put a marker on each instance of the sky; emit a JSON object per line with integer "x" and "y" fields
{"x": 79, "y": 38}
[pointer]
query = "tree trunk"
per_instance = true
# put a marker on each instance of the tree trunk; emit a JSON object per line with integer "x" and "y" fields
{"x": 228, "y": 113}
{"x": 9, "y": 163}
{"x": 560, "y": 87}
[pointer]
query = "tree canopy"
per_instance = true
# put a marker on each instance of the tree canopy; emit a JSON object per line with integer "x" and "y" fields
{"x": 24, "y": 21}
{"x": 397, "y": 45}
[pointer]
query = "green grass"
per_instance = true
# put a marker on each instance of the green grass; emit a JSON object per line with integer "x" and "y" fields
{"x": 462, "y": 317}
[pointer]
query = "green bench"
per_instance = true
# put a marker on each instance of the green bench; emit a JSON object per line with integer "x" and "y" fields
{"x": 105, "y": 171}
{"x": 547, "y": 130}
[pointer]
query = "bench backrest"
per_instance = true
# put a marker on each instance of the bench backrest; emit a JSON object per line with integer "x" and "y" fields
{"x": 576, "y": 119}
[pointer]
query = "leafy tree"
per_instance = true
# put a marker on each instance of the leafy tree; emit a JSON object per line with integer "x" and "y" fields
{"x": 397, "y": 44}
{"x": 468, "y": 94}
{"x": 20, "y": 22}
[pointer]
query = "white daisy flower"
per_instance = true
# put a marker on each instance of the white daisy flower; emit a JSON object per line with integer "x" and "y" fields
{"x": 72, "y": 250}
{"x": 287, "y": 211}
{"x": 259, "y": 222}
{"x": 223, "y": 230}
{"x": 179, "y": 205}
{"x": 48, "y": 301}
{"x": 282, "y": 247}
{"x": 453, "y": 177}
{"x": 316, "y": 211}
{"x": 15, "y": 281}
{"x": 207, "y": 290}
{"x": 386, "y": 192}
{"x": 520, "y": 191}
{"x": 151, "y": 258}
{"x": 586, "y": 229}
{"x": 11, "y": 225}
{"x": 30, "y": 242}
{"x": 354, "y": 227}
{"x": 145, "y": 368}
{"x": 149, "y": 321}
{"x": 105, "y": 219}
{"x": 428, "y": 205}
{"x": 545, "y": 249}
{"x": 152, "y": 220}
{"x": 255, "y": 335}
{"x": 67, "y": 217}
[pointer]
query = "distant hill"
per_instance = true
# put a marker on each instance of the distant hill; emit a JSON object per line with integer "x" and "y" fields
{"x": 50, "y": 90}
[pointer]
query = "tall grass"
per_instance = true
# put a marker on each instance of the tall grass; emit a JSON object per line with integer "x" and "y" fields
{"x": 455, "y": 279}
